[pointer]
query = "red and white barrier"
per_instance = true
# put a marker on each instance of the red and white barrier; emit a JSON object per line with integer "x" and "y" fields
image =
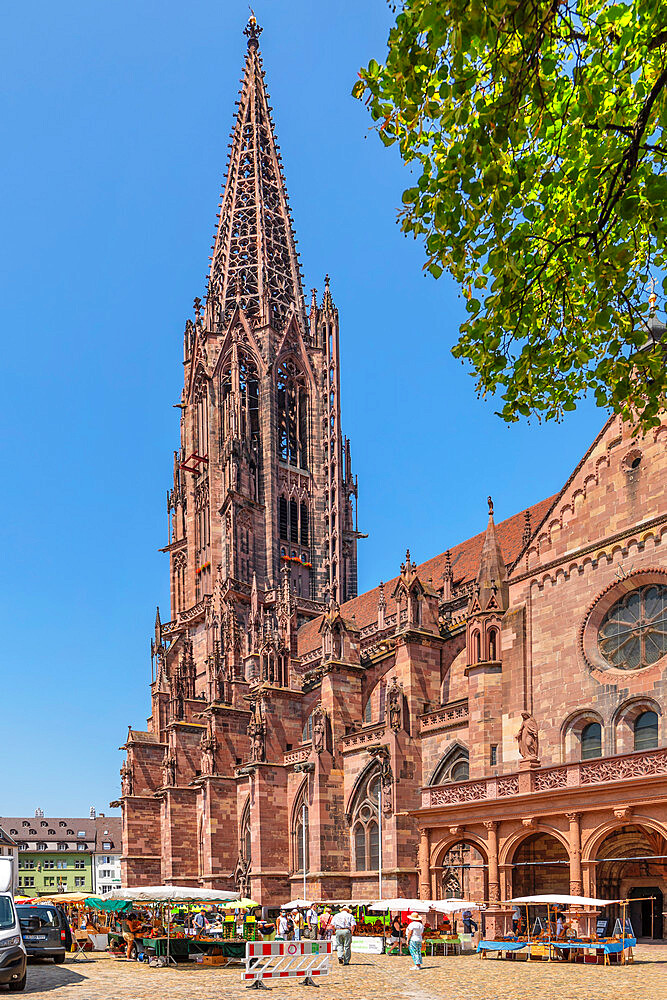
{"x": 286, "y": 959}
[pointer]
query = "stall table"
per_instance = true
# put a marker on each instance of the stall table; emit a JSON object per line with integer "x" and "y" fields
{"x": 546, "y": 947}
{"x": 181, "y": 948}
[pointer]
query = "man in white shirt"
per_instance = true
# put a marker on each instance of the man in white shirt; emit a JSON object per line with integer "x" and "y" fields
{"x": 281, "y": 930}
{"x": 343, "y": 924}
{"x": 311, "y": 923}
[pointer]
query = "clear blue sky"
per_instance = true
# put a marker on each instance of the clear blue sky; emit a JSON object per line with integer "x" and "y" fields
{"x": 115, "y": 121}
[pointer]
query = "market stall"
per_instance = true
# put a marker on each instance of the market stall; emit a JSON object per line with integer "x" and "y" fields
{"x": 561, "y": 937}
{"x": 436, "y": 940}
{"x": 172, "y": 944}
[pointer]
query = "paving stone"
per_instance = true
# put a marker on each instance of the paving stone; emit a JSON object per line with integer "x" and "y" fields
{"x": 367, "y": 978}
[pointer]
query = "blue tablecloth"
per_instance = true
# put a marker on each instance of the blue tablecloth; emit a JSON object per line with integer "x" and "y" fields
{"x": 501, "y": 945}
{"x": 608, "y": 947}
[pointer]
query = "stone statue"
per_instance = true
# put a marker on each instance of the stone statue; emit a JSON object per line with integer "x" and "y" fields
{"x": 126, "y": 778}
{"x": 386, "y": 787}
{"x": 208, "y": 746}
{"x": 168, "y": 769}
{"x": 395, "y": 701}
{"x": 257, "y": 733}
{"x": 319, "y": 728}
{"x": 528, "y": 738}
{"x": 242, "y": 875}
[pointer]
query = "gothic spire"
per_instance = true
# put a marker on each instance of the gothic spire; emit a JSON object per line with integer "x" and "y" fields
{"x": 254, "y": 260}
{"x": 492, "y": 574}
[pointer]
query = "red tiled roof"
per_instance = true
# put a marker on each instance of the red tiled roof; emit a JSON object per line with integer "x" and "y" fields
{"x": 465, "y": 564}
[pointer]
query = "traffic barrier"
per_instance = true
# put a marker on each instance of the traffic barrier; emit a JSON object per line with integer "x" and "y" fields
{"x": 285, "y": 960}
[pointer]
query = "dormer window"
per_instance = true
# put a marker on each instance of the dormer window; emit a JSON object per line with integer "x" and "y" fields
{"x": 62, "y": 823}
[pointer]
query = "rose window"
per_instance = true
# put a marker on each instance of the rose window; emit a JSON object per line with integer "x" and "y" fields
{"x": 633, "y": 633}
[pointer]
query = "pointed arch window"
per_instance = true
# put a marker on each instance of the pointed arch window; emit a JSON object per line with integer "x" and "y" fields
{"x": 493, "y": 644}
{"x": 454, "y": 766}
{"x": 292, "y": 397}
{"x": 300, "y": 831}
{"x": 476, "y": 647}
{"x": 365, "y": 832}
{"x": 239, "y": 393}
{"x": 245, "y": 834}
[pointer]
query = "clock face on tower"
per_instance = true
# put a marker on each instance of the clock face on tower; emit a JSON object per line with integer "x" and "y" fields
{"x": 633, "y": 632}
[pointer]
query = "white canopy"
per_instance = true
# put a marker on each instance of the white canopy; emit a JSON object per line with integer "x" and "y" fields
{"x": 564, "y": 900}
{"x": 296, "y": 904}
{"x": 399, "y": 903}
{"x": 171, "y": 894}
{"x": 454, "y": 905}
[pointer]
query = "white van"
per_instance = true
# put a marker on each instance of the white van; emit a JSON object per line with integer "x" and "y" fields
{"x": 12, "y": 950}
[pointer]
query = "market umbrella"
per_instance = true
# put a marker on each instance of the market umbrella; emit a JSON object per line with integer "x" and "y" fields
{"x": 296, "y": 904}
{"x": 65, "y": 897}
{"x": 240, "y": 904}
{"x": 399, "y": 903}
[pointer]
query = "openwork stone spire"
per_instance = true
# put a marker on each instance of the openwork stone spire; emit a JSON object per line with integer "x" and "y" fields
{"x": 254, "y": 263}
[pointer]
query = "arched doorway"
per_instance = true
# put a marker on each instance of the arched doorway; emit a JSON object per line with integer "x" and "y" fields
{"x": 463, "y": 872}
{"x": 541, "y": 864}
{"x": 625, "y": 870}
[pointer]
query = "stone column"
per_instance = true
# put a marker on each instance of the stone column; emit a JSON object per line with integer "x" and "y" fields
{"x": 492, "y": 850}
{"x": 576, "y": 883}
{"x": 424, "y": 865}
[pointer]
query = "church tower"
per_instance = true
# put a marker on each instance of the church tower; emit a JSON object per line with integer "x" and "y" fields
{"x": 263, "y": 487}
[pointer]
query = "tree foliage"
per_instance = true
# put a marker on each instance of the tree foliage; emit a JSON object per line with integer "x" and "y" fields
{"x": 537, "y": 134}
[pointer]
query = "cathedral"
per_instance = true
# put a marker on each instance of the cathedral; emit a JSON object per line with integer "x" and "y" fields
{"x": 489, "y": 722}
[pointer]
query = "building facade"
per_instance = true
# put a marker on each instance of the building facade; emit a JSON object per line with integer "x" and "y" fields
{"x": 280, "y": 697}
{"x": 9, "y": 849}
{"x": 56, "y": 855}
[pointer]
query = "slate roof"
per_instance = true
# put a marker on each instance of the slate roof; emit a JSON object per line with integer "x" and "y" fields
{"x": 92, "y": 829}
{"x": 465, "y": 564}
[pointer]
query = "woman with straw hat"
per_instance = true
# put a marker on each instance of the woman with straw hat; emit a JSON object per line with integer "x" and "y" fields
{"x": 414, "y": 934}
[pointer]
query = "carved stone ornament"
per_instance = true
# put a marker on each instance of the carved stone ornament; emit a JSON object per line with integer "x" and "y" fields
{"x": 257, "y": 733}
{"x": 168, "y": 769}
{"x": 208, "y": 747}
{"x": 395, "y": 703}
{"x": 387, "y": 787}
{"x": 242, "y": 876}
{"x": 126, "y": 778}
{"x": 319, "y": 729}
{"x": 528, "y": 738}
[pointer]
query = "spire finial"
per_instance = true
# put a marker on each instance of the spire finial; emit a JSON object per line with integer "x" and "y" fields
{"x": 252, "y": 31}
{"x": 490, "y": 503}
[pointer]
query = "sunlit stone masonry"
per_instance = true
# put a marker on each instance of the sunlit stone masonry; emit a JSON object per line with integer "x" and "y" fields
{"x": 497, "y": 711}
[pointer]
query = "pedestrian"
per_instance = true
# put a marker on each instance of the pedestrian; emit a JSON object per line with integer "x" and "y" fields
{"x": 394, "y": 940}
{"x": 326, "y": 927}
{"x": 297, "y": 922}
{"x": 282, "y": 932}
{"x": 414, "y": 935}
{"x": 130, "y": 927}
{"x": 469, "y": 924}
{"x": 343, "y": 923}
{"x": 516, "y": 919}
{"x": 312, "y": 921}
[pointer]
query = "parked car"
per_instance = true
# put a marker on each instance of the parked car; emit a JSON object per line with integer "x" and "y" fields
{"x": 12, "y": 949}
{"x": 45, "y": 930}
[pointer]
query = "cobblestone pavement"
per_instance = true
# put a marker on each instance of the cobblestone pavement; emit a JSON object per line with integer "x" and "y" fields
{"x": 369, "y": 977}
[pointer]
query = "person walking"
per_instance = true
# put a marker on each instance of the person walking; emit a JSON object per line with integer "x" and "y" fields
{"x": 283, "y": 927}
{"x": 326, "y": 928}
{"x": 297, "y": 920}
{"x": 312, "y": 921}
{"x": 414, "y": 935}
{"x": 343, "y": 923}
{"x": 469, "y": 924}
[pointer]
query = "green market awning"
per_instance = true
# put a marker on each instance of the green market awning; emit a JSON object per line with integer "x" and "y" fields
{"x": 108, "y": 905}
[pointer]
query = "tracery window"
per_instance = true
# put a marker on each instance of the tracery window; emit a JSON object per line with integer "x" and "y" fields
{"x": 454, "y": 766}
{"x": 292, "y": 415}
{"x": 240, "y": 382}
{"x": 299, "y": 828}
{"x": 365, "y": 833}
{"x": 633, "y": 633}
{"x": 245, "y": 837}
